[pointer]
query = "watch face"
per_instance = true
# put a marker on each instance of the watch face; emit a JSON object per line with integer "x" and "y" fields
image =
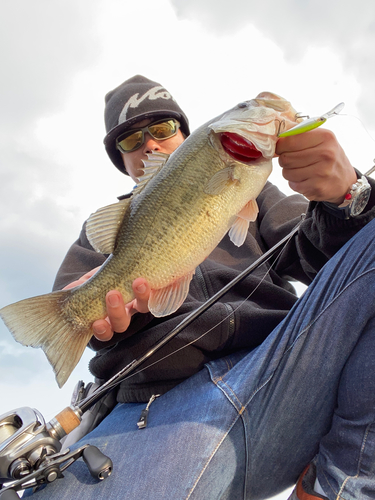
{"x": 360, "y": 200}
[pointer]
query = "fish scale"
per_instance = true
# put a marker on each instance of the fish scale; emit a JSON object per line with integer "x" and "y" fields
{"x": 165, "y": 230}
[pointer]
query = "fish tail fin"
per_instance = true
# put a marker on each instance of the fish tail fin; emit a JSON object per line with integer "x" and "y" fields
{"x": 40, "y": 322}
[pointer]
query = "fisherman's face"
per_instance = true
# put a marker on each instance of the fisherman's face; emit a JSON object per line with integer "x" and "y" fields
{"x": 133, "y": 161}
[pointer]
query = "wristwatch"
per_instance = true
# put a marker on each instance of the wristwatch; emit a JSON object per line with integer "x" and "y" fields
{"x": 355, "y": 200}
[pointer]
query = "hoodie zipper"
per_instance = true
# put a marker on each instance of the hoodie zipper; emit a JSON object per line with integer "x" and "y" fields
{"x": 202, "y": 282}
{"x": 231, "y": 320}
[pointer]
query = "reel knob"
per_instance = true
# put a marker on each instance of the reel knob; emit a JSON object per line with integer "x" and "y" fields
{"x": 99, "y": 465}
{"x": 9, "y": 495}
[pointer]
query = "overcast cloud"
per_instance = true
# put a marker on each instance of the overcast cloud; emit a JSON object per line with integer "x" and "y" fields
{"x": 345, "y": 26}
{"x": 58, "y": 59}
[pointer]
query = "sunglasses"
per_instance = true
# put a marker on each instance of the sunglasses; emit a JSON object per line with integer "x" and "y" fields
{"x": 159, "y": 130}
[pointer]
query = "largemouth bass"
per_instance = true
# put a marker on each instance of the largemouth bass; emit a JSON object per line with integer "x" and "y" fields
{"x": 181, "y": 209}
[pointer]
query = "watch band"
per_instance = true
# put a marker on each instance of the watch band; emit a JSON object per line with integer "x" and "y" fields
{"x": 340, "y": 213}
{"x": 355, "y": 200}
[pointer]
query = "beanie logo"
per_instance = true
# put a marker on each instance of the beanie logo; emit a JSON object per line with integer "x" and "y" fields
{"x": 134, "y": 101}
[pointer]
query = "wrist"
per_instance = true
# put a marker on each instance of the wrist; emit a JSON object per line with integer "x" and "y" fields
{"x": 354, "y": 202}
{"x": 353, "y": 178}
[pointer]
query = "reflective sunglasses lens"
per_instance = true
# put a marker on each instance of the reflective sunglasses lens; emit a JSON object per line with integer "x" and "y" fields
{"x": 131, "y": 142}
{"x": 163, "y": 130}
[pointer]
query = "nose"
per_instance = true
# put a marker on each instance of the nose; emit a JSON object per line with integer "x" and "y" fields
{"x": 150, "y": 144}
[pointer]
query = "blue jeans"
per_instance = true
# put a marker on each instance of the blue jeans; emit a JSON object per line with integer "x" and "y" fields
{"x": 248, "y": 424}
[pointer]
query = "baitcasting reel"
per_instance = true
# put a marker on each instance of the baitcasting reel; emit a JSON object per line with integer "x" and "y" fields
{"x": 30, "y": 450}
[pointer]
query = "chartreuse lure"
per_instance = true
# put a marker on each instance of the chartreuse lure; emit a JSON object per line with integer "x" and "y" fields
{"x": 311, "y": 123}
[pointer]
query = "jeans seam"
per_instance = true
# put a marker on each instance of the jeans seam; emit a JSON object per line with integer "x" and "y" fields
{"x": 240, "y": 411}
{"x": 229, "y": 364}
{"x": 240, "y": 408}
{"x": 303, "y": 332}
{"x": 211, "y": 457}
{"x": 216, "y": 380}
{"x": 338, "y": 496}
{"x": 327, "y": 306}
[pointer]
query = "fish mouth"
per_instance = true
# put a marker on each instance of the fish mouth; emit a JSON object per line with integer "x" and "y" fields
{"x": 239, "y": 148}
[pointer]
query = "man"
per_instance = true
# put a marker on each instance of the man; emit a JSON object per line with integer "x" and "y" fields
{"x": 241, "y": 411}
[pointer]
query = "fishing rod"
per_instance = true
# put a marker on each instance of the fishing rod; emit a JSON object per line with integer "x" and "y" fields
{"x": 133, "y": 365}
{"x": 31, "y": 452}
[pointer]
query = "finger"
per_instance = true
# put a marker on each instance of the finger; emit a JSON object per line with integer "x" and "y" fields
{"x": 118, "y": 315}
{"x": 142, "y": 291}
{"x": 298, "y": 175}
{"x": 102, "y": 330}
{"x": 316, "y": 147}
{"x": 307, "y": 140}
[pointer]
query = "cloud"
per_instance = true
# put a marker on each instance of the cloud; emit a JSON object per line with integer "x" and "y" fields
{"x": 58, "y": 61}
{"x": 345, "y": 26}
{"x": 41, "y": 44}
{"x": 26, "y": 379}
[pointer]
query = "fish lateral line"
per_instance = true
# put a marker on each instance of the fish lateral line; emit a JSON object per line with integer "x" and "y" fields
{"x": 129, "y": 370}
{"x": 57, "y": 325}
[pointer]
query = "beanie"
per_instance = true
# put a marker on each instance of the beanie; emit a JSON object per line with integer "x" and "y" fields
{"x": 135, "y": 100}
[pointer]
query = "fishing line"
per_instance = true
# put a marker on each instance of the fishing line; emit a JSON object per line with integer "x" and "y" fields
{"x": 128, "y": 370}
{"x": 288, "y": 238}
{"x": 224, "y": 319}
{"x": 360, "y": 121}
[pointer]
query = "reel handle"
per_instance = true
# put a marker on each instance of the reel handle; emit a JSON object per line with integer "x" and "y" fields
{"x": 99, "y": 465}
{"x": 9, "y": 495}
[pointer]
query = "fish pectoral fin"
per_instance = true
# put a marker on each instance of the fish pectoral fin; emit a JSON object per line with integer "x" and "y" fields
{"x": 240, "y": 227}
{"x": 103, "y": 225}
{"x": 221, "y": 180}
{"x": 38, "y": 322}
{"x": 152, "y": 166}
{"x": 167, "y": 300}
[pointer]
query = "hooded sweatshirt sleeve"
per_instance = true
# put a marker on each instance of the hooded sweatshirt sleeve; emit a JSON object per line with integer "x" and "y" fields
{"x": 320, "y": 236}
{"x": 82, "y": 258}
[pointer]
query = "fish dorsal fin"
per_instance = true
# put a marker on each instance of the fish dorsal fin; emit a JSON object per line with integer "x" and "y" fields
{"x": 167, "y": 300}
{"x": 152, "y": 166}
{"x": 103, "y": 225}
{"x": 238, "y": 231}
{"x": 221, "y": 180}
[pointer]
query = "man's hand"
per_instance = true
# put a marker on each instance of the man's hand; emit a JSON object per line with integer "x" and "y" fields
{"x": 119, "y": 313}
{"x": 316, "y": 166}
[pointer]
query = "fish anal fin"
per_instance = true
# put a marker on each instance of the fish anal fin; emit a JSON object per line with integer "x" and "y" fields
{"x": 221, "y": 180}
{"x": 38, "y": 322}
{"x": 103, "y": 225}
{"x": 167, "y": 300}
{"x": 238, "y": 231}
{"x": 240, "y": 227}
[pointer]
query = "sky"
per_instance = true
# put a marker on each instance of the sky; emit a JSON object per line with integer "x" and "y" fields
{"x": 59, "y": 59}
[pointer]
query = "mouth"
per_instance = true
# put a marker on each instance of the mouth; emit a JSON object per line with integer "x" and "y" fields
{"x": 239, "y": 148}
